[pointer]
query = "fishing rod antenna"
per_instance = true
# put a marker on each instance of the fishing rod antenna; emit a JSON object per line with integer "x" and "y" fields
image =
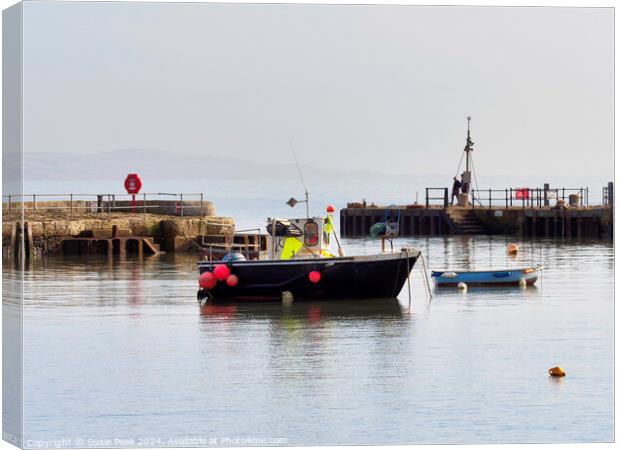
{"x": 292, "y": 201}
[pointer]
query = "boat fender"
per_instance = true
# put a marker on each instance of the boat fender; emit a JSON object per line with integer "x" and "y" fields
{"x": 314, "y": 276}
{"x": 462, "y": 286}
{"x": 512, "y": 249}
{"x": 232, "y": 280}
{"x": 207, "y": 280}
{"x": 287, "y": 297}
{"x": 557, "y": 372}
{"x": 449, "y": 275}
{"x": 221, "y": 272}
{"x": 522, "y": 283}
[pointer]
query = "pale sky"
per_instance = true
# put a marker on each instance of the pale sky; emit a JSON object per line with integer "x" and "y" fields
{"x": 361, "y": 87}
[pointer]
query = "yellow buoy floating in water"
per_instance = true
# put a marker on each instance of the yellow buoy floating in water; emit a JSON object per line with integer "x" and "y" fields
{"x": 512, "y": 249}
{"x": 557, "y": 372}
{"x": 522, "y": 283}
{"x": 462, "y": 286}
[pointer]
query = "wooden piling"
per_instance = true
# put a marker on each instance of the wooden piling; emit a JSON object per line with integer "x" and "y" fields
{"x": 28, "y": 242}
{"x": 122, "y": 248}
{"x": 13, "y": 244}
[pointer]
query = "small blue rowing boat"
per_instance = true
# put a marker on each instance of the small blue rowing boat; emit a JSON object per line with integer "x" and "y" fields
{"x": 506, "y": 277}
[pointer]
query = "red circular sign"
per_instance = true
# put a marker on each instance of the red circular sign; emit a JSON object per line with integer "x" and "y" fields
{"x": 133, "y": 183}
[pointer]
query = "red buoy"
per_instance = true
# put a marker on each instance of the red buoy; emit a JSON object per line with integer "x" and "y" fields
{"x": 207, "y": 280}
{"x": 330, "y": 208}
{"x": 314, "y": 276}
{"x": 232, "y": 280}
{"x": 221, "y": 272}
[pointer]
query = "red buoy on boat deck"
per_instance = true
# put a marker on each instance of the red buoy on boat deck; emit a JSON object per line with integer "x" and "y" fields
{"x": 221, "y": 272}
{"x": 314, "y": 276}
{"x": 232, "y": 280}
{"x": 207, "y": 280}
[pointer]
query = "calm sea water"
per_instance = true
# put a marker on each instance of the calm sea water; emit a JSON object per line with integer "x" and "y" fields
{"x": 120, "y": 354}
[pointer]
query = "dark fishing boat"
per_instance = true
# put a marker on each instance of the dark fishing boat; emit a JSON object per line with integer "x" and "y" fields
{"x": 299, "y": 265}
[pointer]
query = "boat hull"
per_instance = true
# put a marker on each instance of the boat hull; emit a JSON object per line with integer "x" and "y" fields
{"x": 507, "y": 277}
{"x": 378, "y": 276}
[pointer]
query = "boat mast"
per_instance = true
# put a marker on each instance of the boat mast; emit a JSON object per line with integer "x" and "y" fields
{"x": 469, "y": 147}
{"x": 307, "y": 205}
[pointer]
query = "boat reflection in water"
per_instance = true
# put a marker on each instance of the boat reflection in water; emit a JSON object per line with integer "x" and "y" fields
{"x": 311, "y": 312}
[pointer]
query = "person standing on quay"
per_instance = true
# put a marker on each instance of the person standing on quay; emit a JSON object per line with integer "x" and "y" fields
{"x": 456, "y": 188}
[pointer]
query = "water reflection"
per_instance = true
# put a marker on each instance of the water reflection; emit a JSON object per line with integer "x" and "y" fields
{"x": 126, "y": 347}
{"x": 309, "y": 312}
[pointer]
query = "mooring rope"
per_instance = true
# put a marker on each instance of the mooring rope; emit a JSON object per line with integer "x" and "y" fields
{"x": 408, "y": 276}
{"x": 425, "y": 276}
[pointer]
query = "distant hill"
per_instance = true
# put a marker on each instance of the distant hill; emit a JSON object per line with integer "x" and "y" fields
{"x": 167, "y": 165}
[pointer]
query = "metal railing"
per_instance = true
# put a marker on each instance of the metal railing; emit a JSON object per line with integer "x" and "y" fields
{"x": 608, "y": 194}
{"x": 431, "y": 194}
{"x": 247, "y": 249}
{"x": 33, "y": 204}
{"x": 526, "y": 197}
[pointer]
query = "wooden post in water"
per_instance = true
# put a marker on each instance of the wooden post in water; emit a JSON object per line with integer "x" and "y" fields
{"x": 12, "y": 249}
{"x": 122, "y": 248}
{"x": 29, "y": 243}
{"x": 19, "y": 242}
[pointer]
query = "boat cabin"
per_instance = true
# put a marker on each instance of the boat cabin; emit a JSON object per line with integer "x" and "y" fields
{"x": 299, "y": 238}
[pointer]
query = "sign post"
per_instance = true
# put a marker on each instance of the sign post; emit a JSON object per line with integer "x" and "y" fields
{"x": 133, "y": 184}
